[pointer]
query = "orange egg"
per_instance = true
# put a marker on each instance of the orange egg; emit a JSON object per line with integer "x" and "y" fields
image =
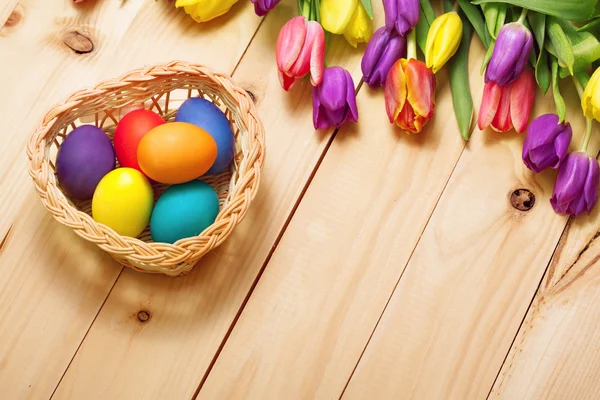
{"x": 176, "y": 152}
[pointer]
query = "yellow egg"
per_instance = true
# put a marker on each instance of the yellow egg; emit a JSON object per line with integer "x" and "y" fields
{"x": 123, "y": 201}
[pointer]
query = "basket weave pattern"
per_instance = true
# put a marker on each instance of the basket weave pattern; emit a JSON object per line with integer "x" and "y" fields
{"x": 151, "y": 86}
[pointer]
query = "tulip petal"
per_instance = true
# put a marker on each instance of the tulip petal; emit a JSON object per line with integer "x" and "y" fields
{"x": 336, "y": 14}
{"x": 522, "y": 94}
{"x": 374, "y": 50}
{"x": 352, "y": 113}
{"x": 395, "y": 90}
{"x": 510, "y": 55}
{"x": 561, "y": 145}
{"x": 360, "y": 27}
{"x": 317, "y": 58}
{"x": 383, "y": 50}
{"x": 420, "y": 83}
{"x": 502, "y": 121}
{"x": 489, "y": 104}
{"x": 390, "y": 8}
{"x": 287, "y": 82}
{"x": 290, "y": 42}
{"x": 443, "y": 40}
{"x": 591, "y": 184}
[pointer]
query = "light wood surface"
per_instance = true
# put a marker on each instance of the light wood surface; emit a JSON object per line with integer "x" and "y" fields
{"x": 371, "y": 265}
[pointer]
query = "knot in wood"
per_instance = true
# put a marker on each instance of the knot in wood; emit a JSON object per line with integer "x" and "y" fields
{"x": 143, "y": 316}
{"x": 522, "y": 199}
{"x": 14, "y": 18}
{"x": 78, "y": 42}
{"x": 252, "y": 96}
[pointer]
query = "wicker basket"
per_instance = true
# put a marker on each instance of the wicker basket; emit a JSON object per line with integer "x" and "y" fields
{"x": 156, "y": 88}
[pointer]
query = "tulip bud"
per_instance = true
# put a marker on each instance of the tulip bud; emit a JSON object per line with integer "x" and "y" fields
{"x": 443, "y": 40}
{"x": 334, "y": 101}
{"x": 360, "y": 27}
{"x": 410, "y": 94}
{"x": 576, "y": 188}
{"x": 505, "y": 107}
{"x": 511, "y": 54}
{"x": 546, "y": 143}
{"x": 590, "y": 101}
{"x": 205, "y": 10}
{"x": 262, "y": 7}
{"x": 401, "y": 15}
{"x": 383, "y": 50}
{"x": 336, "y": 14}
{"x": 300, "y": 50}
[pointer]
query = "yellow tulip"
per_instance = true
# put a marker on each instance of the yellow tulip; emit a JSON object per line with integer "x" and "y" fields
{"x": 590, "y": 101}
{"x": 443, "y": 40}
{"x": 205, "y": 10}
{"x": 360, "y": 27}
{"x": 336, "y": 14}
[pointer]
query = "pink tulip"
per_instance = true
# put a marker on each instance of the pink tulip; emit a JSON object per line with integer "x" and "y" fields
{"x": 508, "y": 107}
{"x": 300, "y": 51}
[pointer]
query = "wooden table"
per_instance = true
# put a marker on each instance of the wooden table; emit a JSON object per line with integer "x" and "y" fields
{"x": 372, "y": 265}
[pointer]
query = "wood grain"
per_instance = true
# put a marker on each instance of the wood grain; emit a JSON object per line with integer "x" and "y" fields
{"x": 319, "y": 299}
{"x": 168, "y": 356}
{"x": 461, "y": 300}
{"x": 52, "y": 283}
{"x": 555, "y": 354}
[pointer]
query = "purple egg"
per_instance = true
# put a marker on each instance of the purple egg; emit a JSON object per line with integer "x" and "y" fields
{"x": 85, "y": 156}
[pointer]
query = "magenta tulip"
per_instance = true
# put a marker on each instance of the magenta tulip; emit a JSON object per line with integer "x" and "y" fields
{"x": 511, "y": 54}
{"x": 334, "y": 101}
{"x": 576, "y": 188}
{"x": 383, "y": 50}
{"x": 401, "y": 15}
{"x": 262, "y": 7}
{"x": 546, "y": 143}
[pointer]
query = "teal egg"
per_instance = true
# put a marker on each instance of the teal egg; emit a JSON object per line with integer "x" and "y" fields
{"x": 183, "y": 211}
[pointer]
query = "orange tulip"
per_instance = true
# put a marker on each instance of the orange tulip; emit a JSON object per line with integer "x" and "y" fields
{"x": 410, "y": 94}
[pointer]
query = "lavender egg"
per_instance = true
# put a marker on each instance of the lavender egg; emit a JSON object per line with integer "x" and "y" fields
{"x": 84, "y": 157}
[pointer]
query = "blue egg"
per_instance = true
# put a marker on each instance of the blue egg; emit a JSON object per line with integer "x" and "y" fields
{"x": 209, "y": 117}
{"x": 183, "y": 211}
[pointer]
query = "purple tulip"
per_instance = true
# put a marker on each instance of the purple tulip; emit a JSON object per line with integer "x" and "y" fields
{"x": 383, "y": 50}
{"x": 334, "y": 101}
{"x": 547, "y": 143}
{"x": 576, "y": 188}
{"x": 511, "y": 54}
{"x": 262, "y": 7}
{"x": 401, "y": 15}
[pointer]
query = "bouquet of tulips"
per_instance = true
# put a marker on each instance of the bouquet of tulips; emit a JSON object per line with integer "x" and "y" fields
{"x": 529, "y": 43}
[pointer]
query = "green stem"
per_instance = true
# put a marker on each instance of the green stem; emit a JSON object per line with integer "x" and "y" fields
{"x": 578, "y": 87}
{"x": 523, "y": 15}
{"x": 306, "y": 9}
{"x": 588, "y": 135}
{"x": 411, "y": 45}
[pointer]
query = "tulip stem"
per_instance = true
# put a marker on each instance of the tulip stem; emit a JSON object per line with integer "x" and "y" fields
{"x": 578, "y": 87}
{"x": 588, "y": 135}
{"x": 523, "y": 15}
{"x": 456, "y": 6}
{"x": 411, "y": 45}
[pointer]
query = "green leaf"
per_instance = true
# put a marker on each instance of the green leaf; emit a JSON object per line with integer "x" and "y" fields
{"x": 538, "y": 25}
{"x": 368, "y": 7}
{"x": 592, "y": 27}
{"x": 448, "y": 5}
{"x": 571, "y": 10}
{"x": 428, "y": 11}
{"x": 488, "y": 56}
{"x": 459, "y": 83}
{"x": 542, "y": 71}
{"x": 421, "y": 30}
{"x": 561, "y": 109}
{"x": 561, "y": 43}
{"x": 495, "y": 14}
{"x": 476, "y": 19}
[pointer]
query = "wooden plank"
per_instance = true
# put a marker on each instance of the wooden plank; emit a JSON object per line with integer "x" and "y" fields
{"x": 461, "y": 300}
{"x": 52, "y": 284}
{"x": 319, "y": 299}
{"x": 555, "y": 354}
{"x": 168, "y": 356}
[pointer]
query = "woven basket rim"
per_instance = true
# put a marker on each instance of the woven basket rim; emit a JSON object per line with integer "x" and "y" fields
{"x": 169, "y": 259}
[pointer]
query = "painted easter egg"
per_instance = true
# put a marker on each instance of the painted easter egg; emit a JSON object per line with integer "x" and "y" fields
{"x": 123, "y": 201}
{"x": 176, "y": 152}
{"x": 130, "y": 131}
{"x": 183, "y": 211}
{"x": 209, "y": 117}
{"x": 84, "y": 157}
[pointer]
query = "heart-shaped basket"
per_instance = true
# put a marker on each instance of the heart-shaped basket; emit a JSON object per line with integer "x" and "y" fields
{"x": 160, "y": 88}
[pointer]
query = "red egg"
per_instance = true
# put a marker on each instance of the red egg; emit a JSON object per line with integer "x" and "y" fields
{"x": 130, "y": 131}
